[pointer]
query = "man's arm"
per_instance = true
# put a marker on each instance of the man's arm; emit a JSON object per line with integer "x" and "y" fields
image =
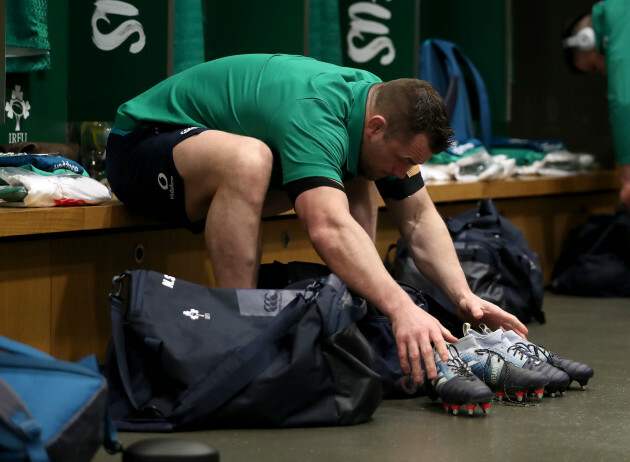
{"x": 433, "y": 253}
{"x": 350, "y": 253}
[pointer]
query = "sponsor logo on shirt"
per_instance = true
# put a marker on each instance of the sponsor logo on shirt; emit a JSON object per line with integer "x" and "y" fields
{"x": 186, "y": 130}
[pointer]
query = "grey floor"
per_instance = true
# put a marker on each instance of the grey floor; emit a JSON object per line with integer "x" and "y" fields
{"x": 582, "y": 425}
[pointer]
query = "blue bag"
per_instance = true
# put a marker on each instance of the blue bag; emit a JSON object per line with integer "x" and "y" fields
{"x": 499, "y": 265}
{"x": 444, "y": 65}
{"x": 595, "y": 258}
{"x": 51, "y": 410}
{"x": 185, "y": 357}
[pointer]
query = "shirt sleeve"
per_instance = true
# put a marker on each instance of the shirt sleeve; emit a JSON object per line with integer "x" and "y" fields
{"x": 315, "y": 142}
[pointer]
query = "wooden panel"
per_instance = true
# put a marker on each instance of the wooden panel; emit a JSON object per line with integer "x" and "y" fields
{"x": 286, "y": 240}
{"x": 28, "y": 221}
{"x": 82, "y": 271}
{"x": 113, "y": 215}
{"x": 523, "y": 187}
{"x": 83, "y": 267}
{"x": 25, "y": 292}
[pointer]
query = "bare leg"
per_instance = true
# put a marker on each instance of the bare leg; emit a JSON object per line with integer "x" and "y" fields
{"x": 226, "y": 179}
{"x": 363, "y": 198}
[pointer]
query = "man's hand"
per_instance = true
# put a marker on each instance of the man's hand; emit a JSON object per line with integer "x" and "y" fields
{"x": 475, "y": 310}
{"x": 415, "y": 330}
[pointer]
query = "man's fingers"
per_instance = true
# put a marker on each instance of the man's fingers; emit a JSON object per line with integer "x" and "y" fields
{"x": 403, "y": 357}
{"x": 429, "y": 361}
{"x": 519, "y": 328}
{"x": 414, "y": 359}
{"x": 441, "y": 349}
{"x": 475, "y": 310}
{"x": 409, "y": 357}
{"x": 446, "y": 334}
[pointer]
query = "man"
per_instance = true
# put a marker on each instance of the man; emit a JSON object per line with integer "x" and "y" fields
{"x": 222, "y": 144}
{"x": 599, "y": 41}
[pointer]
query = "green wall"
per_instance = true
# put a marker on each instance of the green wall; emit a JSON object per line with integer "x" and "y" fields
{"x": 245, "y": 26}
{"x": 85, "y": 83}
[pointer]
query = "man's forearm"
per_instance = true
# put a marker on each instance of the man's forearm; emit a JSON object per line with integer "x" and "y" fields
{"x": 350, "y": 253}
{"x": 433, "y": 252}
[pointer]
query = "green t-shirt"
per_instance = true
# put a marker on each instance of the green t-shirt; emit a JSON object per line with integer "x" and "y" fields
{"x": 309, "y": 113}
{"x": 611, "y": 23}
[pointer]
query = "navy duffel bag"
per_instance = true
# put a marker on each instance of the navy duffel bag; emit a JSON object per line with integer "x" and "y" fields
{"x": 185, "y": 356}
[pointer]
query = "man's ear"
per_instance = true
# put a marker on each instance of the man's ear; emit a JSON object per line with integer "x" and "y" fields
{"x": 376, "y": 125}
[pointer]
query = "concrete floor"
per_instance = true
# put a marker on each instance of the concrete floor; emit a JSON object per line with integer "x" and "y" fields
{"x": 582, "y": 425}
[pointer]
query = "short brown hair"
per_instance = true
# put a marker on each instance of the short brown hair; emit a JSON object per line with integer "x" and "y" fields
{"x": 411, "y": 107}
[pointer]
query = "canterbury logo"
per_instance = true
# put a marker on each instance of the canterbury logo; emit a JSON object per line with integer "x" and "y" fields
{"x": 273, "y": 301}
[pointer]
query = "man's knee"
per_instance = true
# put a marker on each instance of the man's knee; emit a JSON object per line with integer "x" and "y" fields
{"x": 253, "y": 162}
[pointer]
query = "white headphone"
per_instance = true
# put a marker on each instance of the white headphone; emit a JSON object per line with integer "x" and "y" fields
{"x": 584, "y": 40}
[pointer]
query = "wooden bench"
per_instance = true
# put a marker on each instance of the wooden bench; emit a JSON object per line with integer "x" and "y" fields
{"x": 57, "y": 263}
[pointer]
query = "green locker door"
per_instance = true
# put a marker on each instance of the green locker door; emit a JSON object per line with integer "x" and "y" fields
{"x": 116, "y": 51}
{"x": 381, "y": 36}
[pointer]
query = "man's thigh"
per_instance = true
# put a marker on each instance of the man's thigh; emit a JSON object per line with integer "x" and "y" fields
{"x": 215, "y": 160}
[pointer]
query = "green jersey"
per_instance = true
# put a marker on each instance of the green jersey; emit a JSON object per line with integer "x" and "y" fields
{"x": 309, "y": 113}
{"x": 611, "y": 23}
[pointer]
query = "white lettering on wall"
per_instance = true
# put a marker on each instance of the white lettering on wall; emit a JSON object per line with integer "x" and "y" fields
{"x": 360, "y": 26}
{"x": 114, "y": 39}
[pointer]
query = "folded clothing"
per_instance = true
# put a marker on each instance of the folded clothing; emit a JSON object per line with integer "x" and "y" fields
{"x": 44, "y": 162}
{"x": 46, "y": 190}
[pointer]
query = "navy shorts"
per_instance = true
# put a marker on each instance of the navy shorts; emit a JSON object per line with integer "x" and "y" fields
{"x": 142, "y": 174}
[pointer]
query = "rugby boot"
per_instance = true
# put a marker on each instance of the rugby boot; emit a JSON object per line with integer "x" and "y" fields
{"x": 497, "y": 341}
{"x": 457, "y": 386}
{"x": 503, "y": 377}
{"x": 577, "y": 371}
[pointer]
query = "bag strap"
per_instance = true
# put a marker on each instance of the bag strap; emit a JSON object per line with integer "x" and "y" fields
{"x": 16, "y": 417}
{"x": 117, "y": 310}
{"x": 238, "y": 368}
{"x": 485, "y": 217}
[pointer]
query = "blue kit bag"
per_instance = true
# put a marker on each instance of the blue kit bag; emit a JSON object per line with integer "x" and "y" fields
{"x": 454, "y": 76}
{"x": 51, "y": 410}
{"x": 186, "y": 357}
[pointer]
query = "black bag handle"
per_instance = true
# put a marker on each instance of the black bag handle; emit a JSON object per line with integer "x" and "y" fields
{"x": 485, "y": 217}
